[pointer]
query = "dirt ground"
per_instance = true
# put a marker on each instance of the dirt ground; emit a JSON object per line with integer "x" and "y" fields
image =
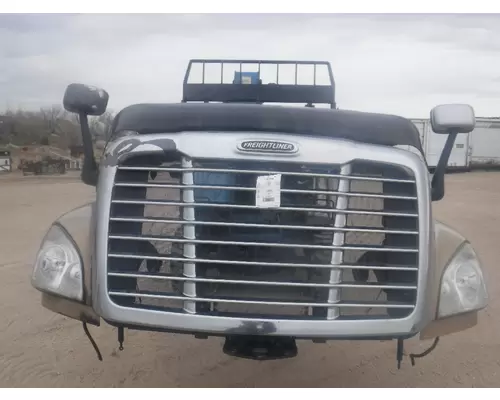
{"x": 39, "y": 348}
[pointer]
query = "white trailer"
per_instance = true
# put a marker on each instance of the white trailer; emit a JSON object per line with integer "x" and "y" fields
{"x": 480, "y": 148}
{"x": 433, "y": 144}
{"x": 484, "y": 143}
{"x": 421, "y": 125}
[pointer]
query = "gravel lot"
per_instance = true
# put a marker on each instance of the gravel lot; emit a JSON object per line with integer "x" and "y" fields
{"x": 39, "y": 348}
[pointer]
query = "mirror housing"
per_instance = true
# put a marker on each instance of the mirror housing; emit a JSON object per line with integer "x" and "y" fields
{"x": 84, "y": 99}
{"x": 456, "y": 118}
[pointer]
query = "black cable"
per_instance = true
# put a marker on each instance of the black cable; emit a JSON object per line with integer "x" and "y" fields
{"x": 94, "y": 344}
{"x": 425, "y": 353}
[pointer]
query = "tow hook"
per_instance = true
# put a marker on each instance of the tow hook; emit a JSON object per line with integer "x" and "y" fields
{"x": 260, "y": 347}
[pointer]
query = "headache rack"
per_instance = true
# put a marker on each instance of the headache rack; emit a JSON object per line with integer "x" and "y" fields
{"x": 256, "y": 89}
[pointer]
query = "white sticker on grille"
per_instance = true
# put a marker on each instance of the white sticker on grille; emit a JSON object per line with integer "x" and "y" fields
{"x": 268, "y": 193}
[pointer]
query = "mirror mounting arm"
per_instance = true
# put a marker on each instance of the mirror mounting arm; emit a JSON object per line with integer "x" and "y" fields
{"x": 439, "y": 172}
{"x": 90, "y": 172}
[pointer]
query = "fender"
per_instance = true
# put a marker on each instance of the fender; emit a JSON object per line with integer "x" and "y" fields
{"x": 80, "y": 224}
{"x": 446, "y": 243}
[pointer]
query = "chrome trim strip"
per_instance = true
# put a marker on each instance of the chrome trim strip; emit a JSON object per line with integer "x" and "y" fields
{"x": 249, "y": 189}
{"x": 265, "y": 264}
{"x": 263, "y": 244}
{"x": 338, "y": 243}
{"x": 271, "y": 303}
{"x": 367, "y": 285}
{"x": 260, "y": 226}
{"x": 188, "y": 214}
{"x": 323, "y": 210}
{"x": 246, "y": 171}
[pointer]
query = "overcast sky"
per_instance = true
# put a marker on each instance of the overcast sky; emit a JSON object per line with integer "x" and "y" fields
{"x": 398, "y": 64}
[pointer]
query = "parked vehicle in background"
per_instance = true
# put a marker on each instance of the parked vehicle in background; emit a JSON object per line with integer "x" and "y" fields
{"x": 45, "y": 166}
{"x": 5, "y": 161}
{"x": 477, "y": 149}
{"x": 484, "y": 143}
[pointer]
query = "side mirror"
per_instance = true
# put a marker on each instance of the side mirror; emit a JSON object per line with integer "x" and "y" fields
{"x": 450, "y": 119}
{"x": 84, "y": 99}
{"x": 456, "y": 118}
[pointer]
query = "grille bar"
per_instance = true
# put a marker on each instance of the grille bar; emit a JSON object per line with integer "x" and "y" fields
{"x": 262, "y": 244}
{"x": 264, "y": 264}
{"x": 264, "y": 302}
{"x": 245, "y": 207}
{"x": 263, "y": 172}
{"x": 249, "y": 189}
{"x": 354, "y": 285}
{"x": 264, "y": 226}
{"x": 337, "y": 243}
{"x": 189, "y": 248}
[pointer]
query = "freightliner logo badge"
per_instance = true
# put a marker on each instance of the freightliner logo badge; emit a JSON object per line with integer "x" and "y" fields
{"x": 267, "y": 146}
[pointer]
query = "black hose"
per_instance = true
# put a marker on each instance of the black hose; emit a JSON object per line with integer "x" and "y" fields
{"x": 94, "y": 344}
{"x": 425, "y": 353}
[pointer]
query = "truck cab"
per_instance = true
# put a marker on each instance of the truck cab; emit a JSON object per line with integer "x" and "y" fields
{"x": 228, "y": 215}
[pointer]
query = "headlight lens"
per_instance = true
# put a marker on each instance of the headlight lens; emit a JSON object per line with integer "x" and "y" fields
{"x": 58, "y": 268}
{"x": 463, "y": 288}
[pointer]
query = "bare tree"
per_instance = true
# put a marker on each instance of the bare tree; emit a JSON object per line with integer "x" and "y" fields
{"x": 106, "y": 120}
{"x": 50, "y": 124}
{"x": 95, "y": 128}
{"x": 51, "y": 116}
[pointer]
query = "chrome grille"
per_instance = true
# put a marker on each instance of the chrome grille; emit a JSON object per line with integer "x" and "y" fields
{"x": 343, "y": 245}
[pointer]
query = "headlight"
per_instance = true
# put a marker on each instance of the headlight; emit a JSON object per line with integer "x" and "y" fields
{"x": 58, "y": 267}
{"x": 462, "y": 288}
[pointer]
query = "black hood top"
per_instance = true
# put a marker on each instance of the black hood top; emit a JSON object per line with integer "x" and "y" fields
{"x": 380, "y": 129}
